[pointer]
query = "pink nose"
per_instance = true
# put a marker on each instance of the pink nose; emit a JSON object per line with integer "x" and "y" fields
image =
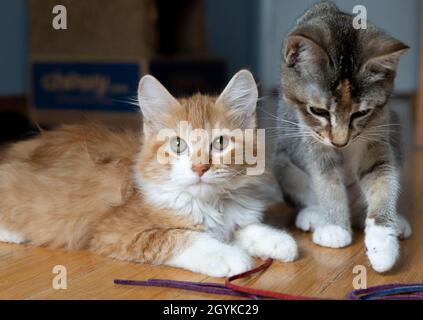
{"x": 200, "y": 169}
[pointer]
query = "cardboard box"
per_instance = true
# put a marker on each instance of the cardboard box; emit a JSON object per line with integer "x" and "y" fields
{"x": 91, "y": 70}
{"x": 105, "y": 91}
{"x": 96, "y": 29}
{"x": 72, "y": 91}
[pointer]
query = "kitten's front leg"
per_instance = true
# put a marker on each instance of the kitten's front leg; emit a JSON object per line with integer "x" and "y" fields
{"x": 266, "y": 242}
{"x": 380, "y": 185}
{"x": 192, "y": 250}
{"x": 329, "y": 219}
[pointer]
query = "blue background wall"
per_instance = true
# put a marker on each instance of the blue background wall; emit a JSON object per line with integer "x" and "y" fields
{"x": 233, "y": 31}
{"x": 13, "y": 47}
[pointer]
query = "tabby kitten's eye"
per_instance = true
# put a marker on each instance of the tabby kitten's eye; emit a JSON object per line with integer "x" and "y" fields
{"x": 360, "y": 114}
{"x": 220, "y": 143}
{"x": 320, "y": 112}
{"x": 178, "y": 145}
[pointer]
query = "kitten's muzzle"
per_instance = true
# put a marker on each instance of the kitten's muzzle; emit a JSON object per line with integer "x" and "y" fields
{"x": 339, "y": 145}
{"x": 200, "y": 170}
{"x": 339, "y": 136}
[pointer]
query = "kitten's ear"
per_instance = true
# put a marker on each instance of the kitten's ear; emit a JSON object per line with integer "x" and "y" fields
{"x": 384, "y": 56}
{"x": 302, "y": 52}
{"x": 155, "y": 103}
{"x": 240, "y": 99}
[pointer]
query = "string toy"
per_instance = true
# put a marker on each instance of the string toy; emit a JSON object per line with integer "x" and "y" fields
{"x": 389, "y": 292}
{"x": 382, "y": 292}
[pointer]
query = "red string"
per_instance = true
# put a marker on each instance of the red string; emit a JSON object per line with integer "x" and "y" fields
{"x": 260, "y": 292}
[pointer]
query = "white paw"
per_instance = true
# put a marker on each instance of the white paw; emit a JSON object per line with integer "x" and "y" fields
{"x": 10, "y": 236}
{"x": 332, "y": 236}
{"x": 382, "y": 246}
{"x": 209, "y": 256}
{"x": 225, "y": 262}
{"x": 308, "y": 218}
{"x": 266, "y": 242}
{"x": 280, "y": 247}
{"x": 404, "y": 228}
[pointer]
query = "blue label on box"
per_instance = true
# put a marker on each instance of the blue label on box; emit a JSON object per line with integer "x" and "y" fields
{"x": 85, "y": 86}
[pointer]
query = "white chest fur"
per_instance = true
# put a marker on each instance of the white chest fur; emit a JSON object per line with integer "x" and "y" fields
{"x": 219, "y": 214}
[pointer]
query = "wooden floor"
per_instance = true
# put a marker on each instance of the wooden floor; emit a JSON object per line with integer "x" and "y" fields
{"x": 26, "y": 272}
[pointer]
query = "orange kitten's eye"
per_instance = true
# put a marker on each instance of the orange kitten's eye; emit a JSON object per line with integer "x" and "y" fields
{"x": 178, "y": 145}
{"x": 320, "y": 112}
{"x": 220, "y": 143}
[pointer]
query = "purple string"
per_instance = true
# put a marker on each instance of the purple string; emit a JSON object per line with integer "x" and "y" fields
{"x": 382, "y": 292}
{"x": 206, "y": 287}
{"x": 389, "y": 292}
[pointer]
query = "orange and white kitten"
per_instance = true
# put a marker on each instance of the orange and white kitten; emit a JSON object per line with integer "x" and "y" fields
{"x": 87, "y": 187}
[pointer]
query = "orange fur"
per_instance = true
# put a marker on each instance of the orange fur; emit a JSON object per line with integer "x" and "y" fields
{"x": 87, "y": 187}
{"x": 73, "y": 188}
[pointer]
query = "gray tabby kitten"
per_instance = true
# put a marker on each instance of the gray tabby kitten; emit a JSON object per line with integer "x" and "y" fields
{"x": 338, "y": 149}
